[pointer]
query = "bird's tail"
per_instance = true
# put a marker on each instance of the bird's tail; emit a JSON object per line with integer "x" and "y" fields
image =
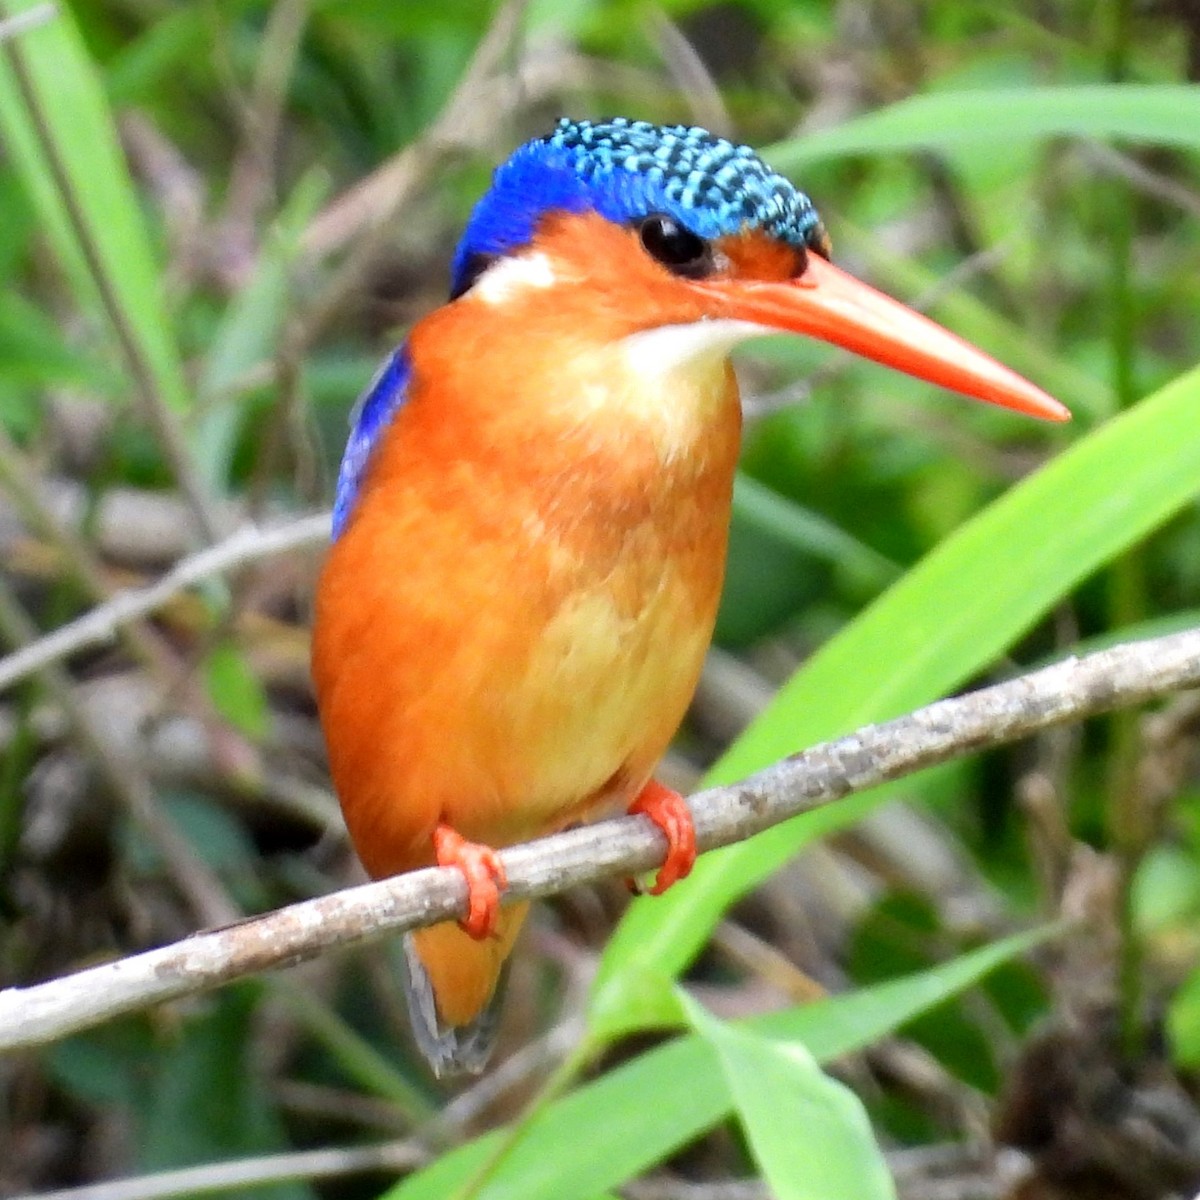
{"x": 454, "y": 986}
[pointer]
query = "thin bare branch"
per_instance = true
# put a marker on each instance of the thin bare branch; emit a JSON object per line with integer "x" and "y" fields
{"x": 143, "y": 641}
{"x": 31, "y": 18}
{"x": 1125, "y": 166}
{"x": 1067, "y": 691}
{"x": 252, "y": 177}
{"x": 691, "y": 73}
{"x": 262, "y": 1171}
{"x": 100, "y": 625}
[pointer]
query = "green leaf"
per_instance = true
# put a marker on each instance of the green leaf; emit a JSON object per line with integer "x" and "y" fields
{"x": 635, "y": 1116}
{"x": 160, "y": 52}
{"x": 1166, "y": 889}
{"x": 34, "y": 351}
{"x": 208, "y": 1099}
{"x": 22, "y": 147}
{"x": 1156, "y": 114}
{"x": 57, "y": 125}
{"x": 95, "y": 1067}
{"x": 218, "y": 838}
{"x": 949, "y": 618}
{"x": 1183, "y": 1023}
{"x": 809, "y": 1133}
{"x": 236, "y": 692}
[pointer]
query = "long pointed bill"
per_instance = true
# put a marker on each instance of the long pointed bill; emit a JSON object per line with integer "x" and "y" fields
{"x": 832, "y": 306}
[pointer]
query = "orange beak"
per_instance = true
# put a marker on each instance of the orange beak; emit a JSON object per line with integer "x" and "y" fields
{"x": 832, "y": 306}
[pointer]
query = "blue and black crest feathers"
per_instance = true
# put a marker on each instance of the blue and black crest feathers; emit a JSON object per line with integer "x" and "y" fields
{"x": 626, "y": 170}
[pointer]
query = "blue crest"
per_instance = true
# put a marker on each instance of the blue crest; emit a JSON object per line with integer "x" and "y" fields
{"x": 625, "y": 170}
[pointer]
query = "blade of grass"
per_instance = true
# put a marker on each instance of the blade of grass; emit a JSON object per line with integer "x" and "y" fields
{"x": 948, "y": 618}
{"x": 353, "y": 1054}
{"x": 636, "y": 1115}
{"x": 22, "y": 148}
{"x": 72, "y": 103}
{"x": 61, "y": 112}
{"x": 1156, "y": 114}
{"x": 809, "y": 1134}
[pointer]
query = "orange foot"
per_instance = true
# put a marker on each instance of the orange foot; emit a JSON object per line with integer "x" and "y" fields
{"x": 484, "y": 873}
{"x": 669, "y": 811}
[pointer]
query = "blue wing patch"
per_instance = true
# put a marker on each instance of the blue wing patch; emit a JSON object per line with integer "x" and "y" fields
{"x": 371, "y": 416}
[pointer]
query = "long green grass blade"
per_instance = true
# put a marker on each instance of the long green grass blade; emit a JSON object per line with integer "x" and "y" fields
{"x": 949, "y": 618}
{"x": 1161, "y": 115}
{"x": 611, "y": 1130}
{"x": 25, "y": 153}
{"x": 56, "y": 118}
{"x": 809, "y": 1134}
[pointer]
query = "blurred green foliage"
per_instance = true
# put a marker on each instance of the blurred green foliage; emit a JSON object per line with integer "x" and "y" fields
{"x": 187, "y": 261}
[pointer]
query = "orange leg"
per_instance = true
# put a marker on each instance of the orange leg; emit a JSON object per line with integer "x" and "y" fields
{"x": 484, "y": 873}
{"x": 669, "y": 811}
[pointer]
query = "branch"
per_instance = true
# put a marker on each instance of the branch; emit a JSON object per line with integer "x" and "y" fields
{"x": 1067, "y": 691}
{"x": 100, "y": 625}
{"x": 392, "y": 1158}
{"x": 31, "y": 18}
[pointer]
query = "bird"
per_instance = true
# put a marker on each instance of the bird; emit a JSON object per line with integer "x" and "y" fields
{"x": 532, "y": 511}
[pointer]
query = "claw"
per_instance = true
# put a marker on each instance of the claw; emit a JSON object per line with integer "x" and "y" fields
{"x": 484, "y": 873}
{"x": 669, "y": 811}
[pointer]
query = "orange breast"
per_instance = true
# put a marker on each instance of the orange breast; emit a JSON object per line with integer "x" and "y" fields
{"x": 511, "y": 627}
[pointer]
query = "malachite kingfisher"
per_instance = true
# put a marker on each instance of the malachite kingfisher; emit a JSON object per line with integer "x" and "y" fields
{"x": 533, "y": 507}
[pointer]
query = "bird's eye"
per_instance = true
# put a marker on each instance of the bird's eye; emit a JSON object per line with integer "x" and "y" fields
{"x": 677, "y": 248}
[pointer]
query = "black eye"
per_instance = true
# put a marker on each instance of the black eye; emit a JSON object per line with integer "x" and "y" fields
{"x": 677, "y": 248}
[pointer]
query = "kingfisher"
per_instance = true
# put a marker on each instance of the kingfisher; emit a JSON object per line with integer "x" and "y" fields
{"x": 532, "y": 511}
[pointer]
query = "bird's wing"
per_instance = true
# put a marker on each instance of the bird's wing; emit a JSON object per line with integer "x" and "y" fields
{"x": 370, "y": 416}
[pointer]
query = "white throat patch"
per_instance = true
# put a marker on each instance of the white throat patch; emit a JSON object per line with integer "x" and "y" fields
{"x": 697, "y": 347}
{"x": 673, "y": 380}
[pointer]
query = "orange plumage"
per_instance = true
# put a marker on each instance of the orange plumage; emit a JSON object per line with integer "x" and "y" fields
{"x": 513, "y": 623}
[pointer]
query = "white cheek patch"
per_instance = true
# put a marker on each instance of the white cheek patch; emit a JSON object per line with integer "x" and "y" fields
{"x": 699, "y": 347}
{"x": 507, "y": 276}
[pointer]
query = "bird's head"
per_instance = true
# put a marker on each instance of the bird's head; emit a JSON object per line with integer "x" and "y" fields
{"x": 695, "y": 243}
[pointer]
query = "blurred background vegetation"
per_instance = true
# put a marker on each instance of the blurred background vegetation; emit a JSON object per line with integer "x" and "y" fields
{"x": 218, "y": 216}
